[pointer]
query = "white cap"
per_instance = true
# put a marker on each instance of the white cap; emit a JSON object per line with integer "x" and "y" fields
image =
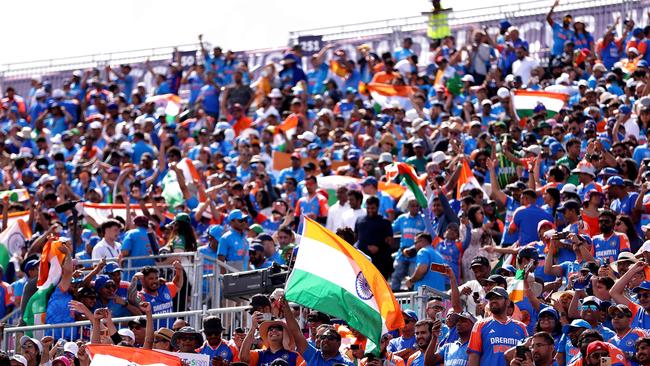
{"x": 586, "y": 168}
{"x": 486, "y": 101}
{"x": 126, "y": 146}
{"x": 77, "y": 73}
{"x": 564, "y": 78}
{"x": 37, "y": 78}
{"x": 630, "y": 83}
{"x": 503, "y": 93}
{"x": 633, "y": 50}
{"x": 467, "y": 77}
{"x": 275, "y": 93}
{"x": 96, "y": 125}
{"x": 19, "y": 358}
{"x": 600, "y": 67}
{"x": 534, "y": 149}
{"x": 71, "y": 347}
{"x": 644, "y": 248}
{"x": 126, "y": 333}
{"x": 438, "y": 157}
{"x": 385, "y": 157}
{"x": 509, "y": 78}
{"x": 58, "y": 93}
{"x": 307, "y": 135}
{"x": 569, "y": 188}
{"x": 583, "y": 82}
{"x": 40, "y": 93}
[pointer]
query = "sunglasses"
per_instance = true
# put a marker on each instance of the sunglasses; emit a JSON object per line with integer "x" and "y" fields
{"x": 587, "y": 307}
{"x": 619, "y": 316}
{"x": 329, "y": 337}
{"x": 275, "y": 328}
{"x": 643, "y": 295}
{"x": 160, "y": 340}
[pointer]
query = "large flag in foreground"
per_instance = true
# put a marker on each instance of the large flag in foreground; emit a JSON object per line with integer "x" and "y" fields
{"x": 332, "y": 276}
{"x": 49, "y": 275}
{"x": 525, "y": 102}
{"x": 110, "y": 355}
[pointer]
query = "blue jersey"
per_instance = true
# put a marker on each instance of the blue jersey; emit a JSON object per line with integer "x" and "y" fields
{"x": 266, "y": 357}
{"x": 58, "y": 311}
{"x": 196, "y": 82}
{"x": 539, "y": 271}
{"x": 234, "y": 247}
{"x": 136, "y": 241}
{"x": 316, "y": 79}
{"x": 427, "y": 256}
{"x": 408, "y": 226}
{"x": 454, "y": 353}
{"x": 610, "y": 247}
{"x": 401, "y": 343}
{"x": 525, "y": 222}
{"x": 162, "y": 302}
{"x": 511, "y": 205}
{"x": 297, "y": 174}
{"x": 210, "y": 101}
{"x": 627, "y": 341}
{"x": 452, "y": 253}
{"x": 491, "y": 339}
{"x": 560, "y": 36}
{"x": 226, "y": 351}
{"x": 314, "y": 357}
{"x": 416, "y": 359}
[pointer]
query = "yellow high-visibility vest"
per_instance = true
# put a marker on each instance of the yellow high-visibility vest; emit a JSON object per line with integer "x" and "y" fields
{"x": 439, "y": 25}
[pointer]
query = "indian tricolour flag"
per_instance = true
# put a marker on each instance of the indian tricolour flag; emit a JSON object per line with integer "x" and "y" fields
{"x": 467, "y": 180}
{"x": 101, "y": 212}
{"x": 49, "y": 275}
{"x": 332, "y": 276}
{"x": 387, "y": 94}
{"x": 111, "y": 355}
{"x": 12, "y": 240}
{"x": 516, "y": 288}
{"x": 15, "y": 195}
{"x": 331, "y": 183}
{"x": 525, "y": 102}
{"x": 13, "y": 216}
{"x": 191, "y": 175}
{"x": 409, "y": 176}
{"x": 170, "y": 102}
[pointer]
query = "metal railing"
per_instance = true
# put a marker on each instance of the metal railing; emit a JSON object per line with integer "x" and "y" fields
{"x": 231, "y": 318}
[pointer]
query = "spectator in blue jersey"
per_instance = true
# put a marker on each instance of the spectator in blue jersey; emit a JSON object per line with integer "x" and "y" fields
{"x": 277, "y": 340}
{"x": 215, "y": 346}
{"x": 641, "y": 308}
{"x": 160, "y": 295}
{"x": 408, "y": 225}
{"x": 525, "y": 218}
{"x": 493, "y": 336}
{"x": 626, "y": 336}
{"x": 208, "y": 97}
{"x": 426, "y": 333}
{"x": 233, "y": 246}
{"x": 404, "y": 345}
{"x": 291, "y": 74}
{"x": 427, "y": 255}
{"x": 330, "y": 342}
{"x": 137, "y": 243}
{"x": 295, "y": 171}
{"x": 621, "y": 201}
{"x": 561, "y": 33}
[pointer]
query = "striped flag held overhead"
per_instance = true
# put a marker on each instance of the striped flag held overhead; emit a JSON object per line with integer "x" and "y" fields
{"x": 525, "y": 102}
{"x": 516, "y": 288}
{"x": 387, "y": 94}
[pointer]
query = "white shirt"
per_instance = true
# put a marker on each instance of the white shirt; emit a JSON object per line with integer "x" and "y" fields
{"x": 631, "y": 128}
{"x": 335, "y": 216}
{"x": 105, "y": 250}
{"x": 350, "y": 217}
{"x": 524, "y": 67}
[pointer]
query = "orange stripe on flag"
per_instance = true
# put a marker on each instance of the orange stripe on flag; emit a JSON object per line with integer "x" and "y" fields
{"x": 50, "y": 251}
{"x": 544, "y": 94}
{"x": 134, "y": 355}
{"x": 386, "y": 302}
{"x": 338, "y": 69}
{"x": 288, "y": 124}
{"x": 390, "y": 90}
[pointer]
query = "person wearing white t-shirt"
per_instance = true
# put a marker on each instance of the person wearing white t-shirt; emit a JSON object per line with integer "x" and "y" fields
{"x": 350, "y": 216}
{"x": 108, "y": 247}
{"x": 524, "y": 65}
{"x": 335, "y": 213}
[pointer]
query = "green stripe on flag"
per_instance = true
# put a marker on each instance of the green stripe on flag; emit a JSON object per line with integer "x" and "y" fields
{"x": 529, "y": 113}
{"x": 37, "y": 304}
{"x": 520, "y": 275}
{"x": 417, "y": 191}
{"x": 4, "y": 255}
{"x": 317, "y": 293}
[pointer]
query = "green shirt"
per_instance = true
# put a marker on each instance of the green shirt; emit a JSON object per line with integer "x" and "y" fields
{"x": 420, "y": 164}
{"x": 572, "y": 164}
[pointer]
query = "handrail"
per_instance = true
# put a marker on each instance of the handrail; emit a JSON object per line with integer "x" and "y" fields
{"x": 81, "y": 323}
{"x": 161, "y": 256}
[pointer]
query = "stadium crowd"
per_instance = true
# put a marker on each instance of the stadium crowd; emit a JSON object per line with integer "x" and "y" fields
{"x": 543, "y": 253}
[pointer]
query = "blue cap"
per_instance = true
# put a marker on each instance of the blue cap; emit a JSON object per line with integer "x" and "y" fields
{"x": 31, "y": 264}
{"x": 313, "y": 146}
{"x": 236, "y": 215}
{"x": 637, "y": 32}
{"x": 28, "y": 173}
{"x": 615, "y": 181}
{"x": 504, "y": 24}
{"x": 550, "y": 311}
{"x": 645, "y": 285}
{"x": 608, "y": 171}
{"x": 508, "y": 267}
{"x": 576, "y": 323}
{"x": 555, "y": 148}
{"x": 231, "y": 168}
{"x": 497, "y": 291}
{"x": 539, "y": 108}
{"x": 642, "y": 63}
{"x": 94, "y": 240}
{"x": 112, "y": 267}
{"x": 369, "y": 181}
{"x": 101, "y": 281}
{"x": 86, "y": 234}
{"x": 411, "y": 314}
{"x": 354, "y": 154}
{"x": 215, "y": 231}
{"x": 624, "y": 109}
{"x": 351, "y": 90}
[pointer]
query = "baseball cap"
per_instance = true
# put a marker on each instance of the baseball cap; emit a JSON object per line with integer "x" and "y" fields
{"x": 615, "y": 181}
{"x": 498, "y": 279}
{"x": 597, "y": 346}
{"x": 569, "y": 205}
{"x": 569, "y": 188}
{"x": 19, "y": 358}
{"x": 411, "y": 314}
{"x": 385, "y": 157}
{"x": 101, "y": 281}
{"x": 591, "y": 299}
{"x": 215, "y": 231}
{"x": 71, "y": 347}
{"x": 497, "y": 291}
{"x": 576, "y": 323}
{"x": 369, "y": 181}
{"x": 620, "y": 308}
{"x": 257, "y": 228}
{"x": 549, "y": 311}
{"x": 236, "y": 215}
{"x": 124, "y": 332}
{"x": 480, "y": 261}
{"x": 645, "y": 285}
